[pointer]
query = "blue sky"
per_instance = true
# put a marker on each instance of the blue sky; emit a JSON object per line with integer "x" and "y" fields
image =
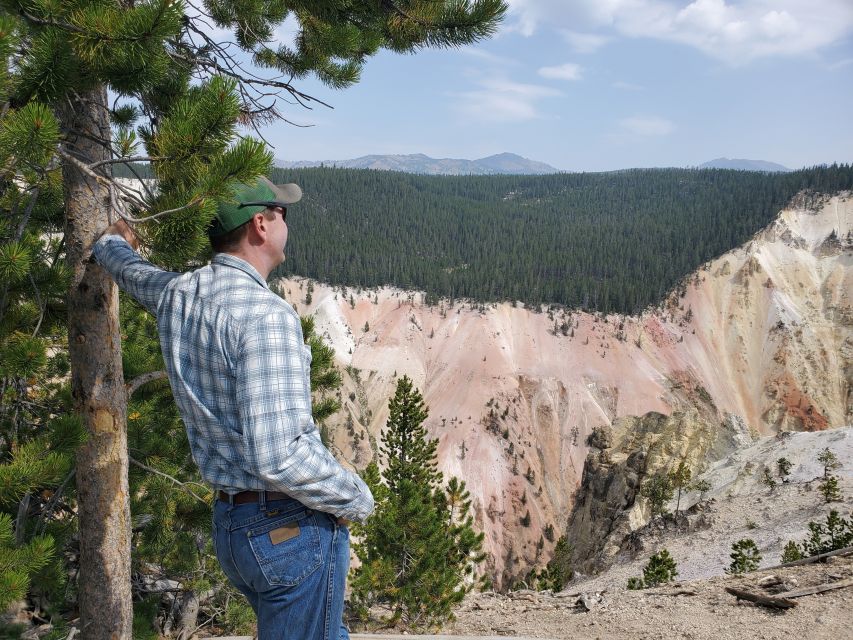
{"x": 591, "y": 85}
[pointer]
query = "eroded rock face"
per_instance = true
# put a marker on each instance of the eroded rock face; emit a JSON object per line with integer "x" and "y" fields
{"x": 757, "y": 341}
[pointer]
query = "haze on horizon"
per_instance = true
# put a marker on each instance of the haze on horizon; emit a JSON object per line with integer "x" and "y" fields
{"x": 590, "y": 86}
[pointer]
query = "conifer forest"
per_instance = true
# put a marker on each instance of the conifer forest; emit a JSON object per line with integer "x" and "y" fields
{"x": 611, "y": 242}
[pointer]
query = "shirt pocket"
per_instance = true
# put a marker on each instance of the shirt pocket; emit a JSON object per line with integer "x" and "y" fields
{"x": 287, "y": 548}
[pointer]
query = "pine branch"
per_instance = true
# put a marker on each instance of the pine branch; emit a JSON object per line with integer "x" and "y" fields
{"x": 42, "y": 307}
{"x": 145, "y": 378}
{"x": 51, "y": 504}
{"x": 183, "y": 485}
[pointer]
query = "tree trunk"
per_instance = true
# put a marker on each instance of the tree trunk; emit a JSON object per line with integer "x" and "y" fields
{"x": 97, "y": 385}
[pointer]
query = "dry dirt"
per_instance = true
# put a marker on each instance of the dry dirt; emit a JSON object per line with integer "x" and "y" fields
{"x": 710, "y": 612}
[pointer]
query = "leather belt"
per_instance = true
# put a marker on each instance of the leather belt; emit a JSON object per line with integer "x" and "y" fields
{"x": 246, "y": 497}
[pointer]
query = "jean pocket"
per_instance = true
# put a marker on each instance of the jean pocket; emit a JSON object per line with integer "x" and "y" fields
{"x": 287, "y": 548}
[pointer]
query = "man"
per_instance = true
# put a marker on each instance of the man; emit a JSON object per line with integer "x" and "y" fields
{"x": 240, "y": 373}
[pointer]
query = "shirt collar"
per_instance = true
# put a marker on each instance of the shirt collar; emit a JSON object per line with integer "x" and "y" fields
{"x": 230, "y": 260}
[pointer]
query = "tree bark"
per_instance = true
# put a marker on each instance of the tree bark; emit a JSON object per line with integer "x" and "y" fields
{"x": 97, "y": 385}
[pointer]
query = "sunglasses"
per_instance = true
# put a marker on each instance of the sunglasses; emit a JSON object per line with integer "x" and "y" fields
{"x": 269, "y": 205}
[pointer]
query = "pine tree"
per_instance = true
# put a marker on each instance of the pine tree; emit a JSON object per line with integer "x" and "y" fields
{"x": 792, "y": 552}
{"x": 418, "y": 551}
{"x": 835, "y": 533}
{"x": 829, "y": 489}
{"x": 658, "y": 491}
{"x": 783, "y": 466}
{"x": 829, "y": 460}
{"x": 679, "y": 479}
{"x": 180, "y": 95}
{"x": 660, "y": 569}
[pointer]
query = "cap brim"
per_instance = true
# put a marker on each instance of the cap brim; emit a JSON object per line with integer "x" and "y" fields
{"x": 284, "y": 193}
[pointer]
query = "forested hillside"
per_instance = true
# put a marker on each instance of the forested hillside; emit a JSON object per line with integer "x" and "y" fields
{"x": 606, "y": 241}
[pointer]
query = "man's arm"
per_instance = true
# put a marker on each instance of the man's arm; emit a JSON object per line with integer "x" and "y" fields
{"x": 282, "y": 445}
{"x": 115, "y": 251}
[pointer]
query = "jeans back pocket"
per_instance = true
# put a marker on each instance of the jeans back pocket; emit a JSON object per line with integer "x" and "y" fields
{"x": 287, "y": 548}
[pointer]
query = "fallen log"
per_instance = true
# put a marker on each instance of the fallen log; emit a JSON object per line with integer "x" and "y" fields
{"x": 812, "y": 559}
{"x": 764, "y": 601}
{"x": 827, "y": 586}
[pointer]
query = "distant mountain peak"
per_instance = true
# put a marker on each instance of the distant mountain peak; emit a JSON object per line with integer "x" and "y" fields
{"x": 744, "y": 165}
{"x": 500, "y": 163}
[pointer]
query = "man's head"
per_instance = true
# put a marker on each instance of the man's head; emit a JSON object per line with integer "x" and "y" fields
{"x": 257, "y": 198}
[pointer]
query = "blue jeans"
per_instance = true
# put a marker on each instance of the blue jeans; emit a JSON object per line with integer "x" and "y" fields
{"x": 290, "y": 562}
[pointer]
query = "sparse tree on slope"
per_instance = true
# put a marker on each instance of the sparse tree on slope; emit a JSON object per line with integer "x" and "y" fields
{"x": 829, "y": 460}
{"x": 658, "y": 491}
{"x": 187, "y": 93}
{"x": 679, "y": 479}
{"x": 745, "y": 556}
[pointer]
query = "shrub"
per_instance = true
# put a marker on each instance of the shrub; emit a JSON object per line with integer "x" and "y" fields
{"x": 745, "y": 557}
{"x": 783, "y": 466}
{"x": 635, "y": 584}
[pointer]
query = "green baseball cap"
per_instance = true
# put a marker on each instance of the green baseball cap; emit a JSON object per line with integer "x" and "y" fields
{"x": 249, "y": 199}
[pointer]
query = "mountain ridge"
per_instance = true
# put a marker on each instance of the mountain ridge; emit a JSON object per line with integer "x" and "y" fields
{"x": 498, "y": 164}
{"x": 742, "y": 164}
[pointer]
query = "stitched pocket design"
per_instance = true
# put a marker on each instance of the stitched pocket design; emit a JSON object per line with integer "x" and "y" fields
{"x": 287, "y": 548}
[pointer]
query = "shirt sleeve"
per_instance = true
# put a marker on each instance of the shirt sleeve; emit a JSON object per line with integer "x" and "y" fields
{"x": 138, "y": 277}
{"x": 282, "y": 444}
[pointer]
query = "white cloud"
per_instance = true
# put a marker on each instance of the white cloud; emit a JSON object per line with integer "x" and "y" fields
{"x": 584, "y": 42}
{"x": 729, "y": 30}
{"x": 568, "y": 71}
{"x": 501, "y": 100}
{"x": 647, "y": 126}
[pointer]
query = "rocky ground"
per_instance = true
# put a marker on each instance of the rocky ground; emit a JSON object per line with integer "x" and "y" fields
{"x": 739, "y": 505}
{"x": 696, "y": 610}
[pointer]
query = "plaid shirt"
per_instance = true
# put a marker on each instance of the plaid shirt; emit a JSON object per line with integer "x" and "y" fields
{"x": 240, "y": 374}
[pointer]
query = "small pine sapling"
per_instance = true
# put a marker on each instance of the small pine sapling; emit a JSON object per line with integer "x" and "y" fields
{"x": 745, "y": 557}
{"x": 768, "y": 479}
{"x": 829, "y": 489}
{"x": 635, "y": 584}
{"x": 679, "y": 479}
{"x": 829, "y": 461}
{"x": 658, "y": 491}
{"x": 783, "y": 466}
{"x": 791, "y": 552}
{"x": 836, "y": 533}
{"x": 660, "y": 569}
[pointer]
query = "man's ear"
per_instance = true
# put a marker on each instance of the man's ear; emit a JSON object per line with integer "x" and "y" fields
{"x": 259, "y": 223}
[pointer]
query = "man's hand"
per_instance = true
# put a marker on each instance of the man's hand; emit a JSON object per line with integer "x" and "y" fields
{"x": 121, "y": 228}
{"x": 343, "y": 522}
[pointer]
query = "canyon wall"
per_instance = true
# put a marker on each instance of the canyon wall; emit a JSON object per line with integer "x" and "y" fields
{"x": 757, "y": 341}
